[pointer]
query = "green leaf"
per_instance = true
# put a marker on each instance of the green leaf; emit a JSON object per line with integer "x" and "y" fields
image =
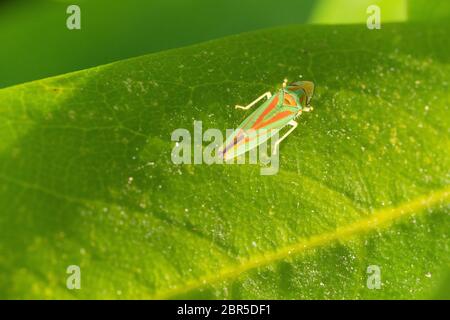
{"x": 87, "y": 178}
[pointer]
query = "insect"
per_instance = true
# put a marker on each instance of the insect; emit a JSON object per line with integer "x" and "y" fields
{"x": 279, "y": 110}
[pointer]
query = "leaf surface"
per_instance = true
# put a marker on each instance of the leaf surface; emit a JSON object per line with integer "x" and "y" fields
{"x": 87, "y": 178}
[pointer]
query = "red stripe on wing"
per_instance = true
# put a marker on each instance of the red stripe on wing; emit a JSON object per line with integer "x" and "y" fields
{"x": 275, "y": 118}
{"x": 269, "y": 108}
{"x": 234, "y": 142}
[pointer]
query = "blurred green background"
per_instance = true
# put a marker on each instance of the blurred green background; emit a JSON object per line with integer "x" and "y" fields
{"x": 36, "y": 43}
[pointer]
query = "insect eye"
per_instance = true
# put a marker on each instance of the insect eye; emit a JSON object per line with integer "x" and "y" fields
{"x": 303, "y": 99}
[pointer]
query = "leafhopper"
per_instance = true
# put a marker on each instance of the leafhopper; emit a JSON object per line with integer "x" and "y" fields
{"x": 278, "y": 111}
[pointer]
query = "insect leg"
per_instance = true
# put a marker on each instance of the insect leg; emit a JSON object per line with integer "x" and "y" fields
{"x": 291, "y": 123}
{"x": 268, "y": 95}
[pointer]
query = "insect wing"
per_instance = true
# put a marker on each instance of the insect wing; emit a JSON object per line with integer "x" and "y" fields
{"x": 257, "y": 128}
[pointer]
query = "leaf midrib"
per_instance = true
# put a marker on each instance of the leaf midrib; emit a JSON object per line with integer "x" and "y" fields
{"x": 377, "y": 219}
